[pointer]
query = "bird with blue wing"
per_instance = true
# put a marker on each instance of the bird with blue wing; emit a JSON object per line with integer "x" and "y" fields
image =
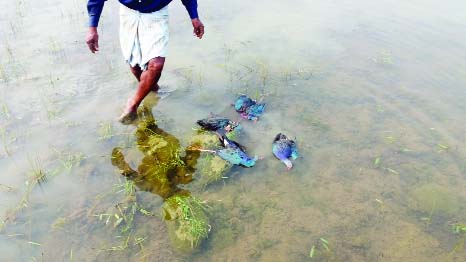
{"x": 285, "y": 149}
{"x": 253, "y": 112}
{"x": 233, "y": 153}
{"x": 249, "y": 108}
{"x": 218, "y": 123}
{"x": 242, "y": 103}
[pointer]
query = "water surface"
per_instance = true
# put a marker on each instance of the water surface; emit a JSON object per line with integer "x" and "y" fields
{"x": 373, "y": 91}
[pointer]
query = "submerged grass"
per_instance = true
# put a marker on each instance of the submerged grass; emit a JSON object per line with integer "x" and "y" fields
{"x": 6, "y": 140}
{"x": 120, "y": 219}
{"x": 5, "y": 111}
{"x": 3, "y": 74}
{"x": 69, "y": 160}
{"x": 105, "y": 131}
{"x": 188, "y": 213}
{"x": 37, "y": 176}
{"x": 459, "y": 229}
{"x": 321, "y": 250}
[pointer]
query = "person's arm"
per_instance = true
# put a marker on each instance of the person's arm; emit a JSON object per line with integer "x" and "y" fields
{"x": 94, "y": 9}
{"x": 191, "y": 7}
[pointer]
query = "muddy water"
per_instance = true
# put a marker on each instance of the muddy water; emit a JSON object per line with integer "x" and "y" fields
{"x": 373, "y": 92}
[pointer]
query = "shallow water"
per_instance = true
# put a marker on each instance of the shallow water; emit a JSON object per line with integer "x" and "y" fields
{"x": 373, "y": 91}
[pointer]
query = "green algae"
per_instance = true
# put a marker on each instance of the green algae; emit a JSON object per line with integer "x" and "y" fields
{"x": 164, "y": 165}
{"x": 205, "y": 140}
{"x": 210, "y": 168}
{"x": 433, "y": 198}
{"x": 187, "y": 221}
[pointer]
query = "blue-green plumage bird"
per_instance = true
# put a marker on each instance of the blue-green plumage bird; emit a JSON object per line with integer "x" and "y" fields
{"x": 242, "y": 103}
{"x": 217, "y": 123}
{"x": 284, "y": 148}
{"x": 235, "y": 154}
{"x": 249, "y": 108}
{"x": 253, "y": 112}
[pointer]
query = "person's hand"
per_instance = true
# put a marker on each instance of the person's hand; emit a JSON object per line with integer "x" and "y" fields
{"x": 92, "y": 39}
{"x": 198, "y": 27}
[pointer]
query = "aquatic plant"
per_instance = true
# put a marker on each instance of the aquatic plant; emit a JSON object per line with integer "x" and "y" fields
{"x": 127, "y": 187}
{"x": 377, "y": 161}
{"x": 433, "y": 199}
{"x": 37, "y": 176}
{"x": 122, "y": 215}
{"x": 187, "y": 220}
{"x": 105, "y": 131}
{"x": 3, "y": 74}
{"x": 442, "y": 147}
{"x": 7, "y": 188}
{"x": 210, "y": 169}
{"x": 69, "y": 160}
{"x": 459, "y": 229}
{"x": 5, "y": 111}
{"x": 320, "y": 249}
{"x": 206, "y": 140}
{"x": 384, "y": 57}
{"x": 49, "y": 106}
{"x": 6, "y": 140}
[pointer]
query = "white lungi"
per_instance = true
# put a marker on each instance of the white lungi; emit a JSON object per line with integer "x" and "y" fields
{"x": 143, "y": 36}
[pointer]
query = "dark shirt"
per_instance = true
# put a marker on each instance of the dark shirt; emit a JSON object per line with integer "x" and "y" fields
{"x": 94, "y": 7}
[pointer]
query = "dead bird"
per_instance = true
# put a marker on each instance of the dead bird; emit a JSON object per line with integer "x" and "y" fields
{"x": 253, "y": 112}
{"x": 233, "y": 153}
{"x": 242, "y": 103}
{"x": 249, "y": 108}
{"x": 284, "y": 148}
{"x": 218, "y": 123}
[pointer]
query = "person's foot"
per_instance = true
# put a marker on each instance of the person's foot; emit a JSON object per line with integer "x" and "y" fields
{"x": 128, "y": 117}
{"x": 130, "y": 114}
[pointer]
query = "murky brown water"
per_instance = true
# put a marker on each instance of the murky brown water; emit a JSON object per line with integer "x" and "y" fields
{"x": 373, "y": 91}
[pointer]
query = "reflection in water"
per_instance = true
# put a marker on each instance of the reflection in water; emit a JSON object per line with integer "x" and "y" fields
{"x": 161, "y": 170}
{"x": 163, "y": 166}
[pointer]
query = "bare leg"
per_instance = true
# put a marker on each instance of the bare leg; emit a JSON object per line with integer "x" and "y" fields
{"x": 137, "y": 71}
{"x": 147, "y": 82}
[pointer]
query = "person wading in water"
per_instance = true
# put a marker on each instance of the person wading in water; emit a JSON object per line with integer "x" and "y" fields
{"x": 144, "y": 37}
